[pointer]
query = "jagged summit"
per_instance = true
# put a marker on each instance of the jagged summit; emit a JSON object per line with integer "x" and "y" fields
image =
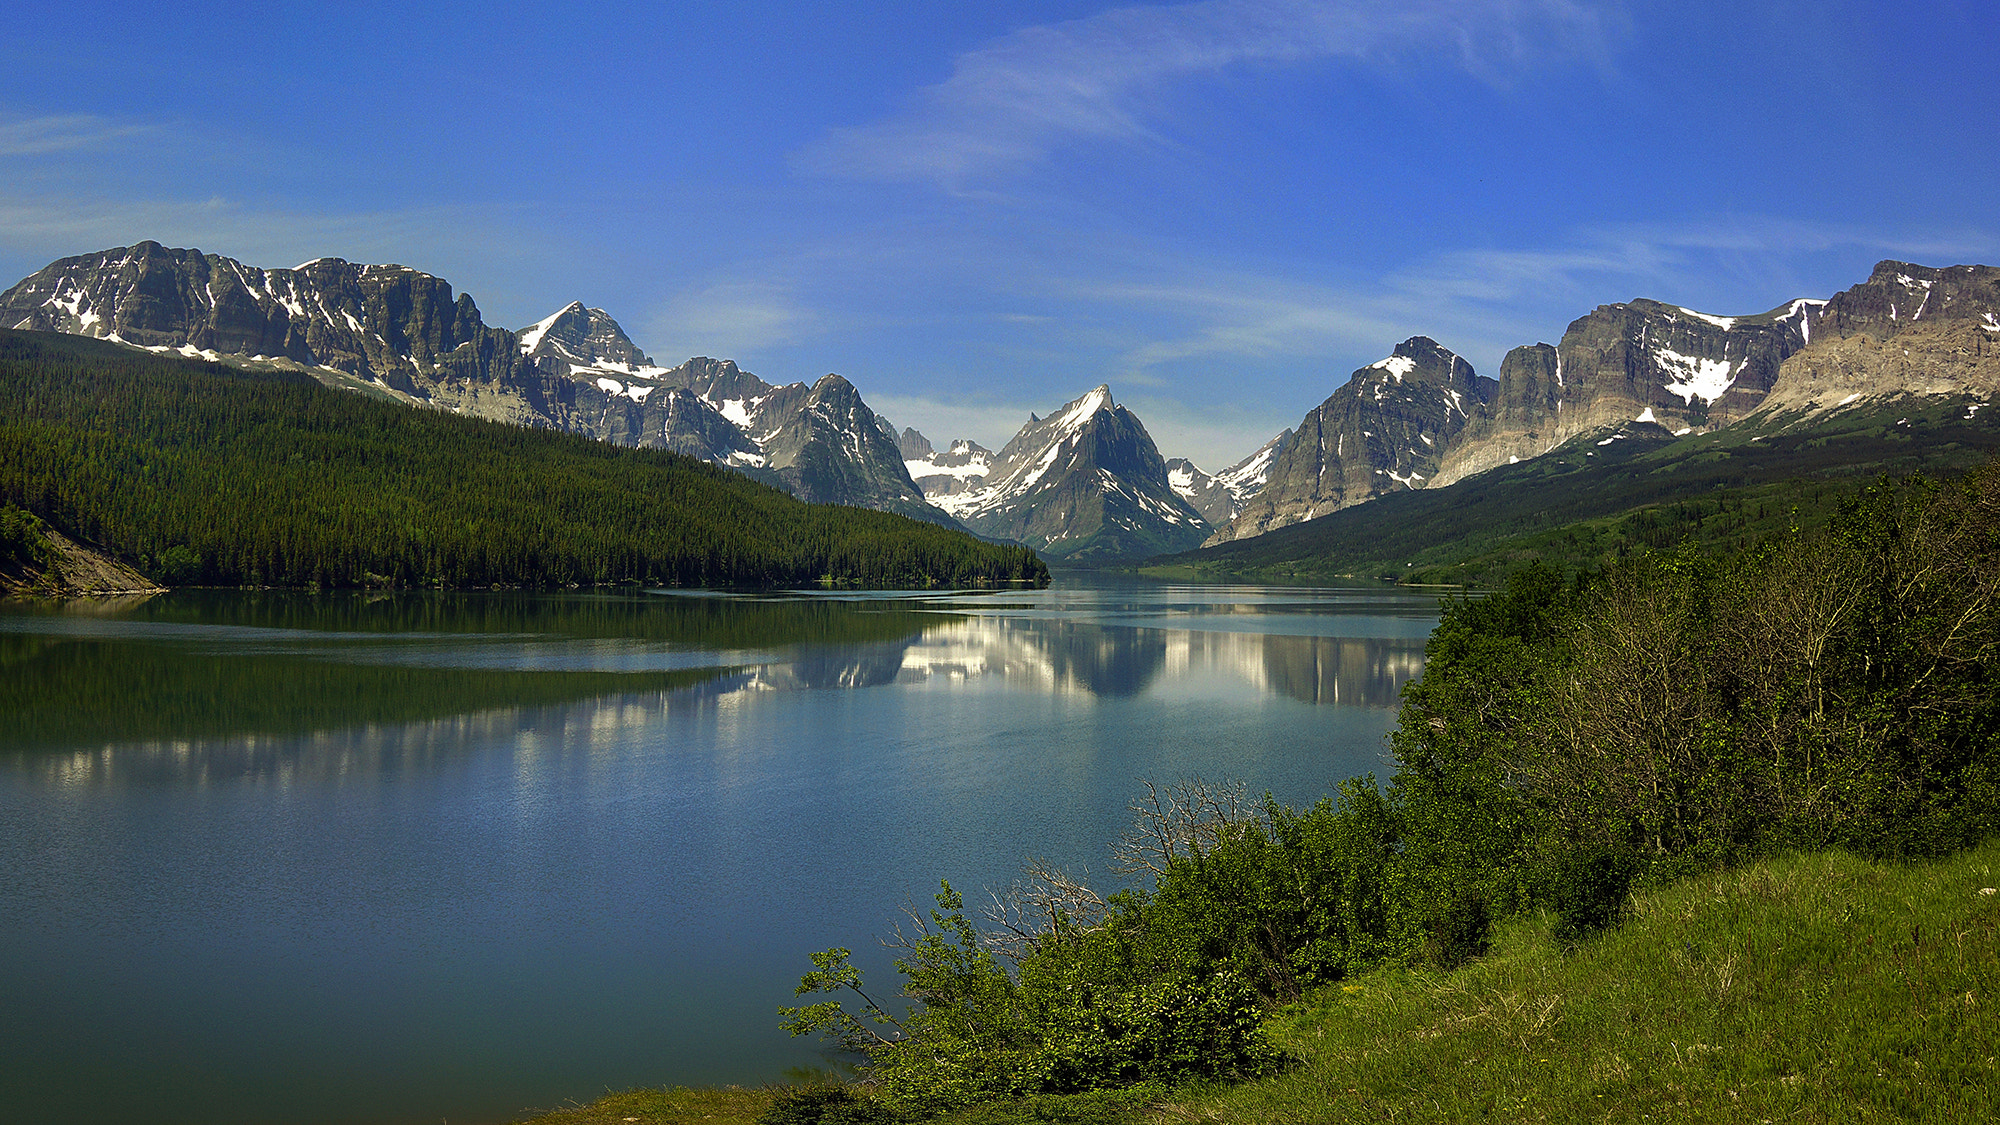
{"x": 582, "y": 336}
{"x": 1386, "y": 429}
{"x": 1085, "y": 482}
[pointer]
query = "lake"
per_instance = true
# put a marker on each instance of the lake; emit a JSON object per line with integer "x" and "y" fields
{"x": 291, "y": 857}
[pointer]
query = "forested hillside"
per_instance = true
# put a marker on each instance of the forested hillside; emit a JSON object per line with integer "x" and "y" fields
{"x": 204, "y": 474}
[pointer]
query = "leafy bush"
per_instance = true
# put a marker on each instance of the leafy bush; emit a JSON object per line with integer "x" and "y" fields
{"x": 1463, "y": 930}
{"x": 177, "y": 566}
{"x": 825, "y": 1105}
{"x": 1588, "y": 891}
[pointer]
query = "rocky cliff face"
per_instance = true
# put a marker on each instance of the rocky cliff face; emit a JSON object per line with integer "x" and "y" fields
{"x": 1203, "y": 493}
{"x": 401, "y": 332}
{"x": 822, "y": 443}
{"x": 1387, "y": 429}
{"x": 389, "y": 325}
{"x": 1085, "y": 483}
{"x": 1222, "y": 497}
{"x": 1907, "y": 330}
{"x": 1642, "y": 361}
{"x": 581, "y": 337}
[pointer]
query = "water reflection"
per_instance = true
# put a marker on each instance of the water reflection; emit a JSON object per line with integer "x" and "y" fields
{"x": 417, "y": 857}
{"x": 1121, "y": 661}
{"x": 154, "y": 673}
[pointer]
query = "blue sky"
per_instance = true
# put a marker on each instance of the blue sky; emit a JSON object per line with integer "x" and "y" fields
{"x": 973, "y": 211}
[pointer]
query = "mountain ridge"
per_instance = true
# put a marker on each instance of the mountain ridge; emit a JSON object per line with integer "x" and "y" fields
{"x": 1419, "y": 418}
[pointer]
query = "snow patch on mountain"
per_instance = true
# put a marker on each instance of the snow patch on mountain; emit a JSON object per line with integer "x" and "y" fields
{"x": 1692, "y": 377}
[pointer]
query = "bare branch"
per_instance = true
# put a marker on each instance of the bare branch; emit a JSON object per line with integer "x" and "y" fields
{"x": 1184, "y": 820}
{"x": 1046, "y": 901}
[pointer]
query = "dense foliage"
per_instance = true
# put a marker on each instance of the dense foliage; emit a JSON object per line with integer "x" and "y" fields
{"x": 204, "y": 474}
{"x": 1569, "y": 737}
{"x": 22, "y": 542}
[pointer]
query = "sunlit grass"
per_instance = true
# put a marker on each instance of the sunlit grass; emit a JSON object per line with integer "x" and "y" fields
{"x": 1812, "y": 988}
{"x": 677, "y": 1105}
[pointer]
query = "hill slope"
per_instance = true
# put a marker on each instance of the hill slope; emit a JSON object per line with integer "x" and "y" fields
{"x": 401, "y": 334}
{"x": 208, "y": 474}
{"x": 1482, "y": 526}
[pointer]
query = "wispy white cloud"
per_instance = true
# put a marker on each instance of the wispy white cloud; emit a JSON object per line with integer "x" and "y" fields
{"x": 731, "y": 319}
{"x": 944, "y": 420}
{"x": 36, "y": 136}
{"x": 1231, "y": 315}
{"x": 1672, "y": 261}
{"x": 266, "y": 237}
{"x": 1009, "y": 103}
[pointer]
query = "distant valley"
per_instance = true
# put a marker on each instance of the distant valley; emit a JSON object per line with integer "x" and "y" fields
{"x": 1086, "y": 483}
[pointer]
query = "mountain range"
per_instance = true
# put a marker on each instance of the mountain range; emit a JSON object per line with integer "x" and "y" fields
{"x": 1086, "y": 483}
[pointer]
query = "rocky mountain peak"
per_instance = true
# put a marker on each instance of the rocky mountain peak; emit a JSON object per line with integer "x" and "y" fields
{"x": 913, "y": 445}
{"x": 582, "y": 336}
{"x": 1900, "y": 295}
{"x": 1423, "y": 358}
{"x": 1385, "y": 430}
{"x": 1907, "y": 330}
{"x": 1084, "y": 482}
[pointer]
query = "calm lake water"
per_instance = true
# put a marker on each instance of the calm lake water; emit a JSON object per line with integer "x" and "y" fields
{"x": 409, "y": 858}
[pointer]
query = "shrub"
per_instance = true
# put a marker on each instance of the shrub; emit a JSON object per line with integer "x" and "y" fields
{"x": 1588, "y": 888}
{"x": 1462, "y": 930}
{"x": 826, "y": 1105}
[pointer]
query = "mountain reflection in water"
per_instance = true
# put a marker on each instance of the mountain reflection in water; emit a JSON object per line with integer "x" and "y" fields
{"x": 1068, "y": 657}
{"x": 394, "y": 858}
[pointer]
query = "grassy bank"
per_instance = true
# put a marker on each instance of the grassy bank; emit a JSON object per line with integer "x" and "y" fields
{"x": 1803, "y": 989}
{"x": 1810, "y": 988}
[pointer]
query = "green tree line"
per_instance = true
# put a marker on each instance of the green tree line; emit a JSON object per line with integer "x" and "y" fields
{"x": 202, "y": 474}
{"x": 1570, "y": 736}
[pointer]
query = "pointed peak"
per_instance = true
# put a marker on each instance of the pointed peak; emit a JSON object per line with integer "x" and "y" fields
{"x": 581, "y": 335}
{"x": 1423, "y": 347}
{"x": 1078, "y": 412}
{"x": 531, "y": 336}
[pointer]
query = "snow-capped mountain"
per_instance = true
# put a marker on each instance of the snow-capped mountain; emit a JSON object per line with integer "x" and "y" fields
{"x": 1638, "y": 362}
{"x": 389, "y": 326}
{"x": 822, "y": 443}
{"x": 945, "y": 472}
{"x": 399, "y": 332}
{"x": 1085, "y": 483}
{"x": 584, "y": 338}
{"x": 1385, "y": 430}
{"x": 1221, "y": 497}
{"x": 1202, "y": 492}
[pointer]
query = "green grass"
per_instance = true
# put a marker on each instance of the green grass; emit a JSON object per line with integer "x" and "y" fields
{"x": 1818, "y": 988}
{"x": 1811, "y": 988}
